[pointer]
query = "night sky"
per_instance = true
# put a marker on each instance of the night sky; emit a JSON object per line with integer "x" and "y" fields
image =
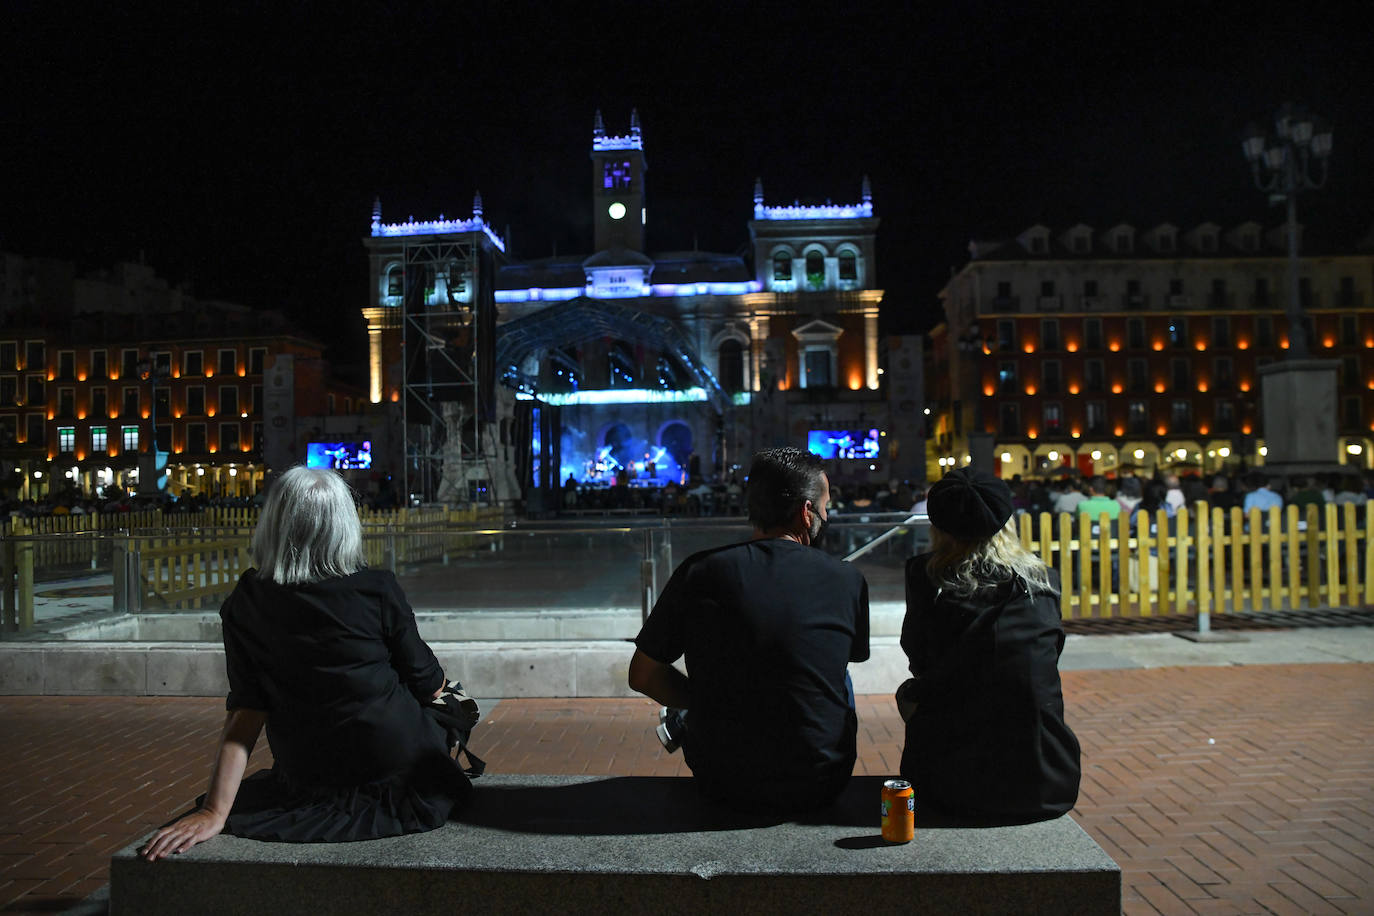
{"x": 240, "y": 152}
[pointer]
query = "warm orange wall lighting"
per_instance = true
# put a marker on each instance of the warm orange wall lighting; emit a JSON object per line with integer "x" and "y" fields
{"x": 988, "y": 390}
{"x": 1116, "y": 388}
{"x": 81, "y": 376}
{"x": 1162, "y": 430}
{"x": 1119, "y": 431}
{"x": 1159, "y": 387}
{"x": 1030, "y": 434}
{"x": 1245, "y": 428}
{"x": 1075, "y": 433}
{"x": 1158, "y": 345}
{"x": 1073, "y": 388}
{"x": 1030, "y": 389}
{"x": 1244, "y": 386}
{"x": 1201, "y": 345}
{"x": 1202, "y": 387}
{"x": 1029, "y": 348}
{"x": 1203, "y": 430}
{"x": 1242, "y": 344}
{"x": 1071, "y": 346}
{"x": 1284, "y": 343}
{"x": 1114, "y": 346}
{"x": 395, "y": 396}
{"x": 1328, "y": 342}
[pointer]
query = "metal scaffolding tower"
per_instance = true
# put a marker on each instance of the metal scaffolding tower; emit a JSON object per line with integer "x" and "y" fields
{"x": 449, "y": 319}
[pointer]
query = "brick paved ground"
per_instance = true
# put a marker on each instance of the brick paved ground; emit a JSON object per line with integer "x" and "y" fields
{"x": 1219, "y": 790}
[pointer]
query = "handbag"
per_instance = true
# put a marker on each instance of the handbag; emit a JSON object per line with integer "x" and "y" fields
{"x": 457, "y": 714}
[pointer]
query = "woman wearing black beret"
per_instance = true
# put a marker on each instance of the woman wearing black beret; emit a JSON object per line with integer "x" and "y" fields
{"x": 985, "y": 731}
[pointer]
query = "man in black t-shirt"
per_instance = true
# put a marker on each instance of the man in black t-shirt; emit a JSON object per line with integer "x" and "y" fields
{"x": 767, "y": 627}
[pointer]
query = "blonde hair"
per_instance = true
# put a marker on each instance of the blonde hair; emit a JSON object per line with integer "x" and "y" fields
{"x": 308, "y": 530}
{"x": 962, "y": 566}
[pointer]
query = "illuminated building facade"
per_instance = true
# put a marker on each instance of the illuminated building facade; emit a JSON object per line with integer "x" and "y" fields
{"x": 684, "y": 360}
{"x": 89, "y": 366}
{"x": 1090, "y": 350}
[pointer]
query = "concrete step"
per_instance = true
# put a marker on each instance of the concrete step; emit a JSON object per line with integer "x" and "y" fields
{"x": 579, "y": 844}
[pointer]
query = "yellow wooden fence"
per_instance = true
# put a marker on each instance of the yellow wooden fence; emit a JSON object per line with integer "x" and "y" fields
{"x": 1208, "y": 560}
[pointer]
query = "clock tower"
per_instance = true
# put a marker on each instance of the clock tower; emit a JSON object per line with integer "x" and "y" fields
{"x": 618, "y": 187}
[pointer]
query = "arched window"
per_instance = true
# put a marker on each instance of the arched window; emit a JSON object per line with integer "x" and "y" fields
{"x": 731, "y": 366}
{"x": 395, "y": 281}
{"x": 782, "y": 266}
{"x": 849, "y": 266}
{"x": 815, "y": 269}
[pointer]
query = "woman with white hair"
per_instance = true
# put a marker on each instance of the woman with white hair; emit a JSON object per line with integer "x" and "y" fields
{"x": 325, "y": 653}
{"x": 985, "y": 732}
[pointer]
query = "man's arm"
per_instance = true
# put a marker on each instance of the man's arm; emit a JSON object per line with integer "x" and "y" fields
{"x": 659, "y": 682}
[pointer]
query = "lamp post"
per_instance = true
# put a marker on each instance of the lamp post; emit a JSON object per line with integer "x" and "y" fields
{"x": 1283, "y": 167}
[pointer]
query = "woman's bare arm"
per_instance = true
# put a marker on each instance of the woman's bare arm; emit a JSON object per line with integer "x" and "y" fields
{"x": 241, "y": 730}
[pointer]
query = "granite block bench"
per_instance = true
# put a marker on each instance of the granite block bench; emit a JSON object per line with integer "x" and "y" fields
{"x": 581, "y": 844}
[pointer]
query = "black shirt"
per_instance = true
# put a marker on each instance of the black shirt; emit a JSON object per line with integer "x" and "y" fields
{"x": 767, "y": 627}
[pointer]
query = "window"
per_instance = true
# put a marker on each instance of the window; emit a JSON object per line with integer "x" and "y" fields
{"x": 195, "y": 439}
{"x": 1047, "y": 287}
{"x": 818, "y": 368}
{"x": 257, "y": 437}
{"x": 227, "y": 362}
{"x": 1181, "y": 416}
{"x": 782, "y": 266}
{"x": 164, "y": 437}
{"x": 1006, "y": 335}
{"x": 1006, "y": 377}
{"x": 193, "y": 363}
{"x": 100, "y": 439}
{"x": 395, "y": 282}
{"x": 1135, "y": 376}
{"x": 162, "y": 363}
{"x": 257, "y": 401}
{"x": 1050, "y": 376}
{"x": 1219, "y": 297}
{"x": 1350, "y": 372}
{"x": 229, "y": 401}
{"x": 1135, "y": 333}
{"x": 1135, "y": 299}
{"x": 1123, "y": 242}
{"x": 849, "y": 266}
{"x": 1095, "y": 415}
{"x": 36, "y": 391}
{"x": 162, "y": 401}
{"x": 1009, "y": 419}
{"x": 330, "y": 403}
{"x": 9, "y": 355}
{"x": 1264, "y": 332}
{"x": 1221, "y": 332}
{"x": 1178, "y": 333}
{"x": 9, "y": 390}
{"x": 1049, "y": 334}
{"x": 1261, "y": 292}
{"x": 1305, "y": 292}
{"x": 129, "y": 436}
{"x": 35, "y": 356}
{"x": 815, "y": 269}
{"x": 66, "y": 438}
{"x": 1003, "y": 293}
{"x": 257, "y": 360}
{"x": 128, "y": 364}
{"x": 9, "y": 430}
{"x": 616, "y": 175}
{"x": 1176, "y": 287}
{"x": 99, "y": 368}
{"x": 1224, "y": 417}
{"x": 66, "y": 365}
{"x": 1054, "y": 417}
{"x": 130, "y": 405}
{"x": 1090, "y": 289}
{"x": 1222, "y": 378}
{"x": 1080, "y": 244}
{"x": 1180, "y": 374}
{"x": 195, "y": 400}
{"x": 66, "y": 403}
{"x": 1137, "y": 418}
{"x": 1353, "y": 416}
{"x": 730, "y": 366}
{"x": 1346, "y": 294}
{"x": 1037, "y": 244}
{"x": 1092, "y": 334}
{"x": 99, "y": 407}
{"x": 229, "y": 437}
{"x": 35, "y": 432}
{"x": 1094, "y": 379}
{"x": 1349, "y": 330}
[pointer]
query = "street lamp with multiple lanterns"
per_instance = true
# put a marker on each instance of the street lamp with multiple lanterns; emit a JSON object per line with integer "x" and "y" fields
{"x": 1283, "y": 166}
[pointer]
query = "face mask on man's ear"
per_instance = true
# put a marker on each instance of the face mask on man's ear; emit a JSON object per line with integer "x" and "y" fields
{"x": 818, "y": 535}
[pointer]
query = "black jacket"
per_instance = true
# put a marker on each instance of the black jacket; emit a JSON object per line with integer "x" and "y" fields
{"x": 988, "y": 736}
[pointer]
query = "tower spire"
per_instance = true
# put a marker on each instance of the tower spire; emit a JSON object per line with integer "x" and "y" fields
{"x": 634, "y": 123}
{"x": 477, "y": 205}
{"x": 377, "y": 210}
{"x": 598, "y": 126}
{"x": 867, "y": 191}
{"x": 758, "y": 198}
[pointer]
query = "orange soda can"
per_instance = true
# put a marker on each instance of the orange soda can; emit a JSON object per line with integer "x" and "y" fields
{"x": 899, "y": 811}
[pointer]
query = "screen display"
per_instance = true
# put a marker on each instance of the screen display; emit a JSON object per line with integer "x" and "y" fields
{"x": 843, "y": 443}
{"x": 339, "y": 456}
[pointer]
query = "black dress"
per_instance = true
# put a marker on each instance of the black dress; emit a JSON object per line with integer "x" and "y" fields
{"x": 987, "y": 738}
{"x": 342, "y": 673}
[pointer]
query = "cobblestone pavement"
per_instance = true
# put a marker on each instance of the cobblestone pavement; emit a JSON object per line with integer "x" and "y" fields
{"x": 1218, "y": 790}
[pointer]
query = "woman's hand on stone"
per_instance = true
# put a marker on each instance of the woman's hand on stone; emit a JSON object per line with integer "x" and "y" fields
{"x": 196, "y": 827}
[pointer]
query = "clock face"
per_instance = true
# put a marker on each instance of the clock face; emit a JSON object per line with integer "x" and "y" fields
{"x": 616, "y": 210}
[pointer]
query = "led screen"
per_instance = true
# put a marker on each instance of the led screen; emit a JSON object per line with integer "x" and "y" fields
{"x": 843, "y": 443}
{"x": 340, "y": 456}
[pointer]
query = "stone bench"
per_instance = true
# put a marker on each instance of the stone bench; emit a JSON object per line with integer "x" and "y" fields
{"x": 578, "y": 844}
